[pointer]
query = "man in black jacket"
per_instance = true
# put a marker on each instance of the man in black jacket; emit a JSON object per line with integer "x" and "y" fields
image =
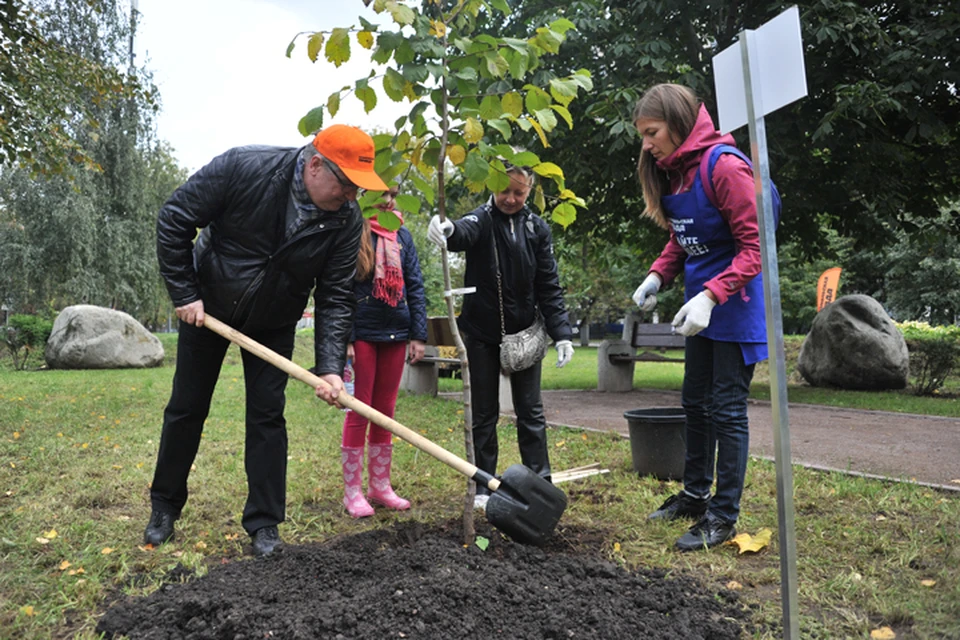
{"x": 275, "y": 223}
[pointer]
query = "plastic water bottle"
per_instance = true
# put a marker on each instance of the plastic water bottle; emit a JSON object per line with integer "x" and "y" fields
{"x": 348, "y": 379}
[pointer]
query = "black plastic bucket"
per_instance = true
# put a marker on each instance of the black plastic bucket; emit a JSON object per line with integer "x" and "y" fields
{"x": 658, "y": 441}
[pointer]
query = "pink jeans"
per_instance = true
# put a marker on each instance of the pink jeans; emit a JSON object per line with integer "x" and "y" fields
{"x": 377, "y": 367}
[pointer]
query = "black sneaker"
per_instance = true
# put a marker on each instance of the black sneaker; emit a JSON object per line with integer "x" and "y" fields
{"x": 706, "y": 534}
{"x": 266, "y": 541}
{"x": 682, "y": 505}
{"x": 160, "y": 528}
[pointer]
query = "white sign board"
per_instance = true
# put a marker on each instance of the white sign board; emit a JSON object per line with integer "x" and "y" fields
{"x": 783, "y": 77}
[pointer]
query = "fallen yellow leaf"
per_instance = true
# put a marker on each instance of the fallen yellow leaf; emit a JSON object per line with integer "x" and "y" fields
{"x": 561, "y": 443}
{"x": 883, "y": 633}
{"x": 881, "y": 518}
{"x": 50, "y": 534}
{"x": 616, "y": 547}
{"x": 64, "y": 565}
{"x": 746, "y": 542}
{"x": 733, "y": 585}
{"x": 106, "y": 551}
{"x": 75, "y": 572}
{"x": 200, "y": 546}
{"x": 27, "y": 610}
{"x": 43, "y": 541}
{"x": 928, "y": 583}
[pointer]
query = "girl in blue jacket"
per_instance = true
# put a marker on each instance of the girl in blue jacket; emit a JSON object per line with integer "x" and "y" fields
{"x": 390, "y": 327}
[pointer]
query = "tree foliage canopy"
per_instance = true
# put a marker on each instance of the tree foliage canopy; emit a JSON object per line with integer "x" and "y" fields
{"x": 872, "y": 148}
{"x": 54, "y": 80}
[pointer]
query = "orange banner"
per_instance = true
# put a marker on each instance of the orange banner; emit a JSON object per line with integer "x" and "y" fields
{"x": 827, "y": 286}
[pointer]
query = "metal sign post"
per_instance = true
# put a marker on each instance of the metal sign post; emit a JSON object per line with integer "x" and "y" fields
{"x": 773, "y": 52}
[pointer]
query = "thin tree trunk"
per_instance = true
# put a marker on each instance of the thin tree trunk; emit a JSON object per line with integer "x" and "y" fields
{"x": 469, "y": 530}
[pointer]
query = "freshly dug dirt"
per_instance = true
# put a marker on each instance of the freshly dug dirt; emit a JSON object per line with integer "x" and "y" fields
{"x": 418, "y": 582}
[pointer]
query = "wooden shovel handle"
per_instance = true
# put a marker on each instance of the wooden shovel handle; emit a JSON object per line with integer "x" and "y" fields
{"x": 346, "y": 400}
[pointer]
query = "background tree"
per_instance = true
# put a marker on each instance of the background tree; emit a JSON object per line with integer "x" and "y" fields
{"x": 89, "y": 237}
{"x": 50, "y": 93}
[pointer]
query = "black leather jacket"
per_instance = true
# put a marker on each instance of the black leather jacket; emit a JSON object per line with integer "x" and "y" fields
{"x": 528, "y": 271}
{"x": 241, "y": 266}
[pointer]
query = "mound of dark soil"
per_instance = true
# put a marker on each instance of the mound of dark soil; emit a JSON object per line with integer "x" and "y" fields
{"x": 419, "y": 582}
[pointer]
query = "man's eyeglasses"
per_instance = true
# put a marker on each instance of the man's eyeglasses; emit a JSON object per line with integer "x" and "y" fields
{"x": 342, "y": 179}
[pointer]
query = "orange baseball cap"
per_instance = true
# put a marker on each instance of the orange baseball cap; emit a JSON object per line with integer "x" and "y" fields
{"x": 353, "y": 152}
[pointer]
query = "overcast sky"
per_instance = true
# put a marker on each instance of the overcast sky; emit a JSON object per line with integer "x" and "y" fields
{"x": 225, "y": 81}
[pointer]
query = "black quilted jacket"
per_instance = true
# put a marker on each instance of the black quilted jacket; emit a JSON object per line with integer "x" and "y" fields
{"x": 241, "y": 266}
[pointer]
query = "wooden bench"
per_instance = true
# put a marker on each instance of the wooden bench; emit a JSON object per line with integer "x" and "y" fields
{"x": 423, "y": 376}
{"x": 616, "y": 358}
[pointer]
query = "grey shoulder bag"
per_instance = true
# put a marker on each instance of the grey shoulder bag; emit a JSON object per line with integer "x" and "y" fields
{"x": 519, "y": 351}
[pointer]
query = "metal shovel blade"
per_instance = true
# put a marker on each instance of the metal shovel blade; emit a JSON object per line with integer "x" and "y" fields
{"x": 525, "y": 506}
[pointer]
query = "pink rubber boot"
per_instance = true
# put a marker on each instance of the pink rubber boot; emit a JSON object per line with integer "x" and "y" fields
{"x": 352, "y": 461}
{"x": 379, "y": 490}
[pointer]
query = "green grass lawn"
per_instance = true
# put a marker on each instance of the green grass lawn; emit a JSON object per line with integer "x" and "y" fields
{"x": 77, "y": 450}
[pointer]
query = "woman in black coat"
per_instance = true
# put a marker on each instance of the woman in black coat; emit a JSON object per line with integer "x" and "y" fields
{"x": 505, "y": 235}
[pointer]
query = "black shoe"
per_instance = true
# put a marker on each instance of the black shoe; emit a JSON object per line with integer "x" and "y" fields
{"x": 682, "y": 505}
{"x": 160, "y": 528}
{"x": 706, "y": 534}
{"x": 266, "y": 541}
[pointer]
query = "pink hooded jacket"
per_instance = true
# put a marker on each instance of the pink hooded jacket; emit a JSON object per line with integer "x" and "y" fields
{"x": 733, "y": 183}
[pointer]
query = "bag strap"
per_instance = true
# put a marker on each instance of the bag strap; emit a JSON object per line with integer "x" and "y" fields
{"x": 709, "y": 160}
{"x": 496, "y": 257}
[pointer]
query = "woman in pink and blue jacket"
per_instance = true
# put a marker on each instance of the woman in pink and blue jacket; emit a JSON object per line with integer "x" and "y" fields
{"x": 718, "y": 250}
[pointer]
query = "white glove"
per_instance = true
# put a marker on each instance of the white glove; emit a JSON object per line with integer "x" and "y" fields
{"x": 438, "y": 232}
{"x": 564, "y": 353}
{"x": 645, "y": 295}
{"x": 694, "y": 316}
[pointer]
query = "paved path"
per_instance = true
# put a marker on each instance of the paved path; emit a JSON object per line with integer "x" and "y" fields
{"x": 900, "y": 446}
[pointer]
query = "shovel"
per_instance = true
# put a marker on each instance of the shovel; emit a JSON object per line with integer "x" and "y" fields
{"x": 522, "y": 504}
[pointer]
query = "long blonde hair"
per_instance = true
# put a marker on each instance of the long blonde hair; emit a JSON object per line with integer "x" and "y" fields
{"x": 678, "y": 106}
{"x": 365, "y": 257}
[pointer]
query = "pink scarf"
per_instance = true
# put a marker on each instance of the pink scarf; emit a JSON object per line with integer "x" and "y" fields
{"x": 387, "y": 269}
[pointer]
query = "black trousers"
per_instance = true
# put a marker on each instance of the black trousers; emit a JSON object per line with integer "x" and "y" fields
{"x": 485, "y": 398}
{"x": 200, "y": 354}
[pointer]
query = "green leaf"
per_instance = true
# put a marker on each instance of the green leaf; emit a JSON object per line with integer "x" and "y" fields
{"x": 389, "y": 220}
{"x": 393, "y": 84}
{"x": 546, "y": 118}
{"x": 476, "y": 167}
{"x": 290, "y": 46}
{"x": 408, "y": 203}
{"x": 467, "y": 73}
{"x": 333, "y": 103}
{"x": 368, "y": 96}
{"x": 482, "y": 543}
{"x": 539, "y": 200}
{"x": 547, "y": 40}
{"x": 337, "y": 50}
{"x": 526, "y": 159}
{"x": 490, "y": 108}
{"x": 562, "y": 25}
{"x": 512, "y": 103}
{"x": 537, "y": 98}
{"x": 582, "y": 78}
{"x": 502, "y": 127}
{"x": 548, "y": 170}
{"x": 402, "y": 14}
{"x": 519, "y": 63}
{"x": 497, "y": 65}
{"x": 367, "y": 25}
{"x": 563, "y": 90}
{"x": 314, "y": 46}
{"x": 311, "y": 122}
{"x": 564, "y": 113}
{"x": 497, "y": 180}
{"x": 423, "y": 187}
{"x": 564, "y": 214}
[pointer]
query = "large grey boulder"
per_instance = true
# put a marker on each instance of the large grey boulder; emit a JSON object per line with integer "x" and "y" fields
{"x": 853, "y": 344}
{"x": 89, "y": 337}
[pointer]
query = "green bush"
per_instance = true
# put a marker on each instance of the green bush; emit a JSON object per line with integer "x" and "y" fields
{"x": 934, "y": 353}
{"x": 23, "y": 334}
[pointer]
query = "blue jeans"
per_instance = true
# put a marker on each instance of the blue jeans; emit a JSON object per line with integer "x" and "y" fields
{"x": 716, "y": 383}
